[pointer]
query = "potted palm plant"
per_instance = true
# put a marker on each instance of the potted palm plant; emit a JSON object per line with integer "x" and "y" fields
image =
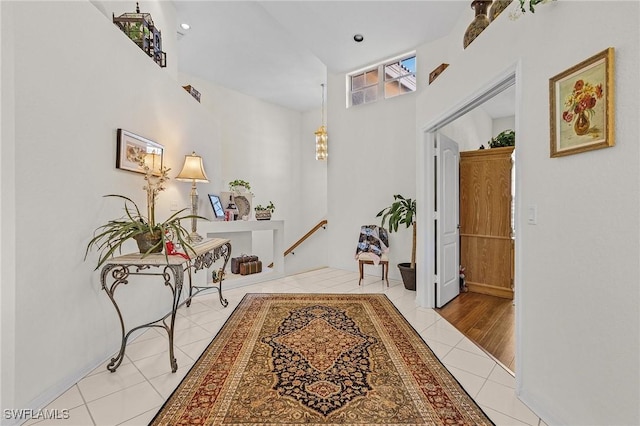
{"x": 403, "y": 211}
{"x": 150, "y": 236}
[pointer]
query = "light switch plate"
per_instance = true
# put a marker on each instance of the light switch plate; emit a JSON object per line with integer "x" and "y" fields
{"x": 532, "y": 215}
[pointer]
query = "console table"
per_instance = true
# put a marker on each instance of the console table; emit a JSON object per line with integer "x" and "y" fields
{"x": 241, "y": 230}
{"x": 171, "y": 269}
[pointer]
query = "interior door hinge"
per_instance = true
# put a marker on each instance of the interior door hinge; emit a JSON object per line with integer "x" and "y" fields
{"x": 436, "y": 216}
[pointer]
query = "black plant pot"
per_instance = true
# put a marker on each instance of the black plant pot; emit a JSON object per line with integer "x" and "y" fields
{"x": 408, "y": 275}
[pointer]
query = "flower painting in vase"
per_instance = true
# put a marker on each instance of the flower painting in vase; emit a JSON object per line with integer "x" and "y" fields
{"x": 582, "y": 106}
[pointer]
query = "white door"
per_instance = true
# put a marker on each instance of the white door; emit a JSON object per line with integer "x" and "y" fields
{"x": 446, "y": 216}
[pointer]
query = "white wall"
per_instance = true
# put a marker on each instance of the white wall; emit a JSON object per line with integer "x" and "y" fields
{"x": 471, "y": 130}
{"x": 273, "y": 148}
{"x": 72, "y": 98}
{"x": 65, "y": 120}
{"x": 501, "y": 124}
{"x": 7, "y": 213}
{"x": 576, "y": 270}
{"x": 371, "y": 158}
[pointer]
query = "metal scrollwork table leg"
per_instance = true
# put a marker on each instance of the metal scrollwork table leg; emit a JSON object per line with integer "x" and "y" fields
{"x": 120, "y": 274}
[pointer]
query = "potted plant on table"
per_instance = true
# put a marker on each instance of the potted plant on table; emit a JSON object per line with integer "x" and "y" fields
{"x": 403, "y": 211}
{"x": 150, "y": 236}
{"x": 264, "y": 213}
{"x": 238, "y": 186}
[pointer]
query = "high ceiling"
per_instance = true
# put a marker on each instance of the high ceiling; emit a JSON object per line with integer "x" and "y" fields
{"x": 281, "y": 51}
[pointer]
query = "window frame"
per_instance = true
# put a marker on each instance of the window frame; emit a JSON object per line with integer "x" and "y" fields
{"x": 382, "y": 80}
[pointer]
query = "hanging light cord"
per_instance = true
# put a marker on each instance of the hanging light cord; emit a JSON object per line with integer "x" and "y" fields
{"x": 322, "y": 110}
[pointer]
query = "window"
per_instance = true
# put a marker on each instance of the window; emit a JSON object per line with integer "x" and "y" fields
{"x": 399, "y": 78}
{"x": 364, "y": 87}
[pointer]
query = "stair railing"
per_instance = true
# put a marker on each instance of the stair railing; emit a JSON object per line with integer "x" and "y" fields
{"x": 321, "y": 224}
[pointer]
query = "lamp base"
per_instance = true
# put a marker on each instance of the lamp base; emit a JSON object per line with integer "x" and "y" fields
{"x": 194, "y": 237}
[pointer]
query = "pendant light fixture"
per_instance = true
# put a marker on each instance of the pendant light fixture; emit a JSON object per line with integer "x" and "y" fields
{"x": 321, "y": 134}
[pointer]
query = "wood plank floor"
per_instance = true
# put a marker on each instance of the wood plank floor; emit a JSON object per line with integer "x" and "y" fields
{"x": 487, "y": 320}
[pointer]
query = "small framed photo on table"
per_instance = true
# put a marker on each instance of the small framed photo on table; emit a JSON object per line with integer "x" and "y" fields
{"x": 216, "y": 205}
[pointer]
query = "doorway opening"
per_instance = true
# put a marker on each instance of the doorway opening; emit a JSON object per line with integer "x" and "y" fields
{"x": 501, "y": 91}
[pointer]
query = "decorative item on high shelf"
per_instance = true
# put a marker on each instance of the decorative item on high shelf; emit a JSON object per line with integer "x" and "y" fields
{"x": 193, "y": 92}
{"x": 436, "y": 72}
{"x": 139, "y": 27}
{"x": 479, "y": 23}
{"x": 497, "y": 7}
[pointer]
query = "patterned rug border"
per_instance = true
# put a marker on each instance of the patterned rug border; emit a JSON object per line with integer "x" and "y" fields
{"x": 250, "y": 295}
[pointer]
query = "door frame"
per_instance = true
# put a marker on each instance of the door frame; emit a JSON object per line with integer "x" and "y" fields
{"x": 425, "y": 291}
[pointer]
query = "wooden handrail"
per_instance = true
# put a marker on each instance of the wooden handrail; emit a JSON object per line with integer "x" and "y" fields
{"x": 320, "y": 224}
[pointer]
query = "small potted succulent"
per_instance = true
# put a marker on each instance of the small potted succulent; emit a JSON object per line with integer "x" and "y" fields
{"x": 264, "y": 213}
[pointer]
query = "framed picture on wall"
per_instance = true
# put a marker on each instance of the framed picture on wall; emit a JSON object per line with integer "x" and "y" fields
{"x": 134, "y": 150}
{"x": 581, "y": 106}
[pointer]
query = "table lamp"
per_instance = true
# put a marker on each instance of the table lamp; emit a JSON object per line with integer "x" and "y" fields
{"x": 193, "y": 171}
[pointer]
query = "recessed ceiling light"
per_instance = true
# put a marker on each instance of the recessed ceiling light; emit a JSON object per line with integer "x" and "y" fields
{"x": 358, "y": 38}
{"x": 185, "y": 26}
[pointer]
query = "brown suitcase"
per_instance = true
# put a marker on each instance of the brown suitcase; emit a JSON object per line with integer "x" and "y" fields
{"x": 248, "y": 268}
{"x": 237, "y": 261}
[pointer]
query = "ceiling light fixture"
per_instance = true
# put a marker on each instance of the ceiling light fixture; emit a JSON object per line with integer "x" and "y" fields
{"x": 185, "y": 26}
{"x": 358, "y": 38}
{"x": 321, "y": 134}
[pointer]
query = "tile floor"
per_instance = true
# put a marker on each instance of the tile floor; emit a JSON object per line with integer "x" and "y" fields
{"x": 134, "y": 393}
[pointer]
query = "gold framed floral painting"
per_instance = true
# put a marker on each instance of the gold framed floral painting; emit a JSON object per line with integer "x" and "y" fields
{"x": 581, "y": 106}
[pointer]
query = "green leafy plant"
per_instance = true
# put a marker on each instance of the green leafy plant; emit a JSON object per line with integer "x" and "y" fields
{"x": 401, "y": 211}
{"x": 506, "y": 138}
{"x": 109, "y": 238}
{"x": 527, "y": 5}
{"x": 239, "y": 182}
{"x": 269, "y": 207}
{"x": 532, "y": 4}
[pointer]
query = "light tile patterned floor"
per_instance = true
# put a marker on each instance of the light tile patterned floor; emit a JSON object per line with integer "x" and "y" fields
{"x": 136, "y": 391}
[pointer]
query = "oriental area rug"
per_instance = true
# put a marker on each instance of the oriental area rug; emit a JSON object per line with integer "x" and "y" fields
{"x": 318, "y": 359}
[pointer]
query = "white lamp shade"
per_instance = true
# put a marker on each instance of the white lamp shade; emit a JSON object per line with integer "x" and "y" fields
{"x": 193, "y": 170}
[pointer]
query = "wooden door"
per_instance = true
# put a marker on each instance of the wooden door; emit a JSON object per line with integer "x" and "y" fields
{"x": 486, "y": 243}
